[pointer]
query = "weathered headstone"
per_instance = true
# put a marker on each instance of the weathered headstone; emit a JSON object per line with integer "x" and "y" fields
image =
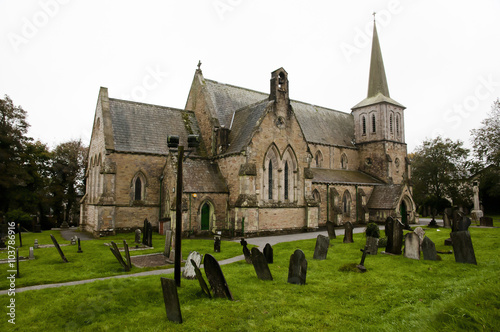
{"x": 217, "y": 243}
{"x": 145, "y": 232}
{"x": 247, "y": 254}
{"x": 330, "y": 227}
{"x": 202, "y": 282}
{"x": 321, "y": 249}
{"x": 297, "y": 269}
{"x": 389, "y": 229}
{"x": 348, "y": 233}
{"x": 216, "y": 277}
{"x": 137, "y": 235}
{"x": 447, "y": 216}
{"x": 116, "y": 252}
{"x": 168, "y": 243}
{"x": 188, "y": 272}
{"x": 462, "y": 247}
{"x": 32, "y": 253}
{"x": 171, "y": 299}
{"x": 127, "y": 254}
{"x": 421, "y": 233}
{"x": 463, "y": 223}
{"x": 372, "y": 245}
{"x": 79, "y": 247}
{"x": 268, "y": 253}
{"x": 243, "y": 242}
{"x": 412, "y": 246}
{"x": 36, "y": 244}
{"x": 429, "y": 249}
{"x": 394, "y": 239}
{"x": 361, "y": 266}
{"x": 58, "y": 248}
{"x": 260, "y": 265}
{"x": 486, "y": 221}
{"x": 73, "y": 240}
{"x": 150, "y": 235}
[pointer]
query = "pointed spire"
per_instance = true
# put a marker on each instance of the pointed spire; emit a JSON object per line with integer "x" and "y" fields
{"x": 377, "y": 82}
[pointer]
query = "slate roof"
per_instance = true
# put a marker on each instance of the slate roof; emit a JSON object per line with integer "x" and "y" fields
{"x": 143, "y": 128}
{"x": 385, "y": 197}
{"x": 333, "y": 176}
{"x": 203, "y": 177}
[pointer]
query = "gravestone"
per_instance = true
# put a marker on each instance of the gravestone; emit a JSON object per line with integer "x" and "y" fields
{"x": 462, "y": 247}
{"x": 150, "y": 235}
{"x": 79, "y": 247}
{"x": 188, "y": 272}
{"x": 202, "y": 282}
{"x": 145, "y": 232}
{"x": 321, "y": 249}
{"x": 330, "y": 227}
{"x": 421, "y": 233}
{"x": 243, "y": 242}
{"x": 412, "y": 246}
{"x": 217, "y": 243}
{"x": 116, "y": 252}
{"x": 268, "y": 253}
{"x": 260, "y": 265}
{"x": 372, "y": 245}
{"x": 216, "y": 277}
{"x": 394, "y": 239}
{"x": 73, "y": 240}
{"x": 17, "y": 263}
{"x": 247, "y": 254}
{"x": 388, "y": 230}
{"x": 447, "y": 217}
{"x": 127, "y": 254}
{"x": 348, "y": 233}
{"x": 429, "y": 249}
{"x": 486, "y": 221}
{"x": 20, "y": 237}
{"x": 36, "y": 244}
{"x": 58, "y": 248}
{"x": 361, "y": 266}
{"x": 32, "y": 253}
{"x": 137, "y": 235}
{"x": 171, "y": 299}
{"x": 297, "y": 269}
{"x": 168, "y": 243}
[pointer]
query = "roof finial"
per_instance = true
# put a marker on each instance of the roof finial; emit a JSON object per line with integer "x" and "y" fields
{"x": 374, "y": 13}
{"x": 199, "y": 64}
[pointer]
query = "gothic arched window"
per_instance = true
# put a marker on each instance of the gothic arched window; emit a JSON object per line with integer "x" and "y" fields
{"x": 319, "y": 159}
{"x": 363, "y": 124}
{"x": 397, "y": 125}
{"x": 343, "y": 161}
{"x": 346, "y": 204}
{"x": 138, "y": 189}
{"x": 286, "y": 180}
{"x": 374, "y": 126}
{"x": 270, "y": 176}
{"x": 390, "y": 123}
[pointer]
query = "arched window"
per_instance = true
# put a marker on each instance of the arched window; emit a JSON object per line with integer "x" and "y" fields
{"x": 343, "y": 161}
{"x": 138, "y": 189}
{"x": 286, "y": 180}
{"x": 397, "y": 125}
{"x": 363, "y": 124}
{"x": 319, "y": 159}
{"x": 270, "y": 176}
{"x": 390, "y": 123}
{"x": 346, "y": 204}
{"x": 316, "y": 195}
{"x": 289, "y": 164}
{"x": 374, "y": 126}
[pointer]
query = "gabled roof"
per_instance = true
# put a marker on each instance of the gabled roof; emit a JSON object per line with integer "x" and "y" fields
{"x": 204, "y": 177}
{"x": 385, "y": 197}
{"x": 333, "y": 176}
{"x": 143, "y": 128}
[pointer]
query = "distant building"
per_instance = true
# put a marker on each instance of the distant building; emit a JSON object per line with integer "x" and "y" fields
{"x": 265, "y": 160}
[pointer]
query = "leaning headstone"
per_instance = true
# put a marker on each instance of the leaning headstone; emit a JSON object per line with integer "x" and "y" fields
{"x": 116, "y": 252}
{"x": 463, "y": 223}
{"x": 243, "y": 242}
{"x": 202, "y": 282}
{"x": 348, "y": 233}
{"x": 412, "y": 246}
{"x": 321, "y": 249}
{"x": 137, "y": 235}
{"x": 216, "y": 277}
{"x": 268, "y": 253}
{"x": 421, "y": 233}
{"x": 217, "y": 243}
{"x": 462, "y": 247}
{"x": 297, "y": 269}
{"x": 58, "y": 248}
{"x": 127, "y": 254}
{"x": 260, "y": 265}
{"x": 429, "y": 249}
{"x": 447, "y": 216}
{"x": 32, "y": 253}
{"x": 394, "y": 239}
{"x": 247, "y": 254}
{"x": 372, "y": 245}
{"x": 145, "y": 232}
{"x": 188, "y": 272}
{"x": 171, "y": 299}
{"x": 389, "y": 229}
{"x": 168, "y": 243}
{"x": 486, "y": 221}
{"x": 330, "y": 227}
{"x": 79, "y": 247}
{"x": 20, "y": 237}
{"x": 361, "y": 266}
{"x": 36, "y": 244}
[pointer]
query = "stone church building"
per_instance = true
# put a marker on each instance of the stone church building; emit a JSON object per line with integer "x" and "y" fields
{"x": 265, "y": 163}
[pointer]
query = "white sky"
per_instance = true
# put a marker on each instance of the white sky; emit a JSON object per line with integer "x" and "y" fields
{"x": 441, "y": 57}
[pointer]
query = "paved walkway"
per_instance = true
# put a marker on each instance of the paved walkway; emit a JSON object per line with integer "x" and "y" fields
{"x": 68, "y": 233}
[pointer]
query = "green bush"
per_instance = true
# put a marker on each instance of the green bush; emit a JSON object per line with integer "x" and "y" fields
{"x": 372, "y": 230}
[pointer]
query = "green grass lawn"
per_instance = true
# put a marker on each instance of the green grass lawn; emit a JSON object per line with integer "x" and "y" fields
{"x": 396, "y": 294}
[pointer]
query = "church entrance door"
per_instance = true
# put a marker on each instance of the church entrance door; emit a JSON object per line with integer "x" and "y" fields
{"x": 205, "y": 217}
{"x": 404, "y": 216}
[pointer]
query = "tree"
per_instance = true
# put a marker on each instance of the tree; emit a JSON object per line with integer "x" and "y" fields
{"x": 439, "y": 169}
{"x": 486, "y": 140}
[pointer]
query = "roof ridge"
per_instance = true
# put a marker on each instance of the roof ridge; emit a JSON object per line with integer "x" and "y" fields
{"x": 235, "y": 86}
{"x": 155, "y": 105}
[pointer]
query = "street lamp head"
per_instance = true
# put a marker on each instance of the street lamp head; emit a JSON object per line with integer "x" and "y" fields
{"x": 173, "y": 141}
{"x": 193, "y": 141}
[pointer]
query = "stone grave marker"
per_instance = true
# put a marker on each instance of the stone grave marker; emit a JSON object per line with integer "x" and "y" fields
{"x": 372, "y": 245}
{"x": 486, "y": 221}
{"x": 216, "y": 277}
{"x": 321, "y": 249}
{"x": 421, "y": 233}
{"x": 394, "y": 239}
{"x": 389, "y": 228}
{"x": 412, "y": 246}
{"x": 188, "y": 271}
{"x": 268, "y": 253}
{"x": 260, "y": 265}
{"x": 361, "y": 266}
{"x": 32, "y": 253}
{"x": 297, "y": 269}
{"x": 429, "y": 249}
{"x": 447, "y": 217}
{"x": 171, "y": 299}
{"x": 462, "y": 247}
{"x": 247, "y": 254}
{"x": 58, "y": 248}
{"x": 137, "y": 235}
{"x": 217, "y": 243}
{"x": 73, "y": 240}
{"x": 243, "y": 242}
{"x": 116, "y": 252}
{"x": 202, "y": 282}
{"x": 168, "y": 243}
{"x": 79, "y": 247}
{"x": 127, "y": 254}
{"x": 145, "y": 232}
{"x": 463, "y": 223}
{"x": 150, "y": 235}
{"x": 17, "y": 263}
{"x": 36, "y": 244}
{"x": 348, "y": 233}
{"x": 20, "y": 237}
{"x": 330, "y": 227}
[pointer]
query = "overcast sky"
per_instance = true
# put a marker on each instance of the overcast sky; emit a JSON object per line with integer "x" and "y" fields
{"x": 442, "y": 58}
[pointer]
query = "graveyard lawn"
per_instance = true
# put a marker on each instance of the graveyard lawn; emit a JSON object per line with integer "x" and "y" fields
{"x": 395, "y": 294}
{"x": 96, "y": 260}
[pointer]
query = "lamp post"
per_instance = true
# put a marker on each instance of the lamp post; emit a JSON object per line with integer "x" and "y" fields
{"x": 173, "y": 142}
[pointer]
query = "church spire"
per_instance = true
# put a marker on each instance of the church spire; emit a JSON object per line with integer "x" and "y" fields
{"x": 377, "y": 82}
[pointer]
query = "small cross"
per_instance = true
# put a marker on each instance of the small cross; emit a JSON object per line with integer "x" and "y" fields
{"x": 374, "y": 13}
{"x": 199, "y": 64}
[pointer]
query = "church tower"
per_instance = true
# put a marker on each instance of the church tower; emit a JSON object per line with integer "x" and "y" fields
{"x": 379, "y": 126}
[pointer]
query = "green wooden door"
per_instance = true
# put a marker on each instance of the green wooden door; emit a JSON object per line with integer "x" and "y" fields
{"x": 205, "y": 217}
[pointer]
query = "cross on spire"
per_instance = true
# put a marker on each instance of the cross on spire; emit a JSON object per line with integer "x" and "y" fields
{"x": 374, "y": 13}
